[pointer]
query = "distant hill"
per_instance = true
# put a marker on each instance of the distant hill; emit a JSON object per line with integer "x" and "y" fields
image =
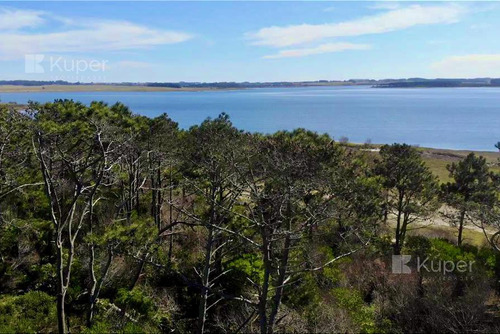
{"x": 432, "y": 83}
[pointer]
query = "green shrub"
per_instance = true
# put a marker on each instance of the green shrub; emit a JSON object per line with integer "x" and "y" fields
{"x": 417, "y": 245}
{"x": 131, "y": 328}
{"x": 136, "y": 301}
{"x": 32, "y": 312}
{"x": 98, "y": 327}
{"x": 361, "y": 314}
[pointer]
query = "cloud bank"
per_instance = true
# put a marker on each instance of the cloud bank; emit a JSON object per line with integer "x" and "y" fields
{"x": 392, "y": 20}
{"x": 13, "y": 19}
{"x": 99, "y": 35}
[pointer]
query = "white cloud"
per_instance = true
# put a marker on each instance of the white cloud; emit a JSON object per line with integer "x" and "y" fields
{"x": 392, "y": 20}
{"x": 323, "y": 48}
{"x": 468, "y": 66}
{"x": 385, "y": 5}
{"x": 14, "y": 19}
{"x": 329, "y": 9}
{"x": 84, "y": 36}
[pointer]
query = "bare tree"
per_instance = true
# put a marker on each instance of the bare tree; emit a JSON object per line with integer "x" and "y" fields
{"x": 72, "y": 159}
{"x": 289, "y": 184}
{"x": 214, "y": 148}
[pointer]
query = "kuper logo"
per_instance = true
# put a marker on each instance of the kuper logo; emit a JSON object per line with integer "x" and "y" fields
{"x": 63, "y": 68}
{"x": 400, "y": 265}
{"x": 33, "y": 63}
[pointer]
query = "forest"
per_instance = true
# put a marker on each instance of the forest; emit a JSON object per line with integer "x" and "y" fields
{"x": 116, "y": 222}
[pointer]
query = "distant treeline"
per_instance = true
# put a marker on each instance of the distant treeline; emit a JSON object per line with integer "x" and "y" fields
{"x": 182, "y": 84}
{"x": 221, "y": 85}
{"x": 35, "y": 82}
{"x": 384, "y": 83}
{"x": 409, "y": 83}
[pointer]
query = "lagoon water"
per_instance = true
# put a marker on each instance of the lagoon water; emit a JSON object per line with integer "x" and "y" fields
{"x": 454, "y": 118}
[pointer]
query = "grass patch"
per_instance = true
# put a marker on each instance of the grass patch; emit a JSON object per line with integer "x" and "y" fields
{"x": 472, "y": 237}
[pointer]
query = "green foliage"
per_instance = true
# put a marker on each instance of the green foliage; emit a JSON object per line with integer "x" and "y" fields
{"x": 485, "y": 262}
{"x": 362, "y": 315}
{"x": 249, "y": 265}
{"x": 98, "y": 327}
{"x": 132, "y": 328}
{"x": 32, "y": 312}
{"x": 305, "y": 295}
{"x": 446, "y": 251}
{"x": 403, "y": 169}
{"x": 472, "y": 189}
{"x": 472, "y": 183}
{"x": 136, "y": 301}
{"x": 410, "y": 186}
{"x": 417, "y": 245}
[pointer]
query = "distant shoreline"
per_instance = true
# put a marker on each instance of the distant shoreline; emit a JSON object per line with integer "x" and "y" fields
{"x": 28, "y": 86}
{"x": 140, "y": 88}
{"x": 101, "y": 88}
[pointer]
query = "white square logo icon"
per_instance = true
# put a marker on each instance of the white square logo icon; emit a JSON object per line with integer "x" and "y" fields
{"x": 399, "y": 264}
{"x": 32, "y": 63}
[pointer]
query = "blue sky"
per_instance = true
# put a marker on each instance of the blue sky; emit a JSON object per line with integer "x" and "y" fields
{"x": 249, "y": 41}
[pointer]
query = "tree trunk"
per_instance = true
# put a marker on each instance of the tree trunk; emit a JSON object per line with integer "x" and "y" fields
{"x": 96, "y": 287}
{"x": 404, "y": 228}
{"x": 61, "y": 289}
{"x": 61, "y": 315}
{"x": 171, "y": 219}
{"x": 205, "y": 281}
{"x": 398, "y": 241}
{"x": 461, "y": 228}
{"x": 138, "y": 272}
{"x": 279, "y": 285}
{"x": 265, "y": 284}
{"x": 93, "y": 284}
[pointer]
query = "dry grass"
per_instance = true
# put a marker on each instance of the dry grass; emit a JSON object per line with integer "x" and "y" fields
{"x": 438, "y": 159}
{"x": 471, "y": 236}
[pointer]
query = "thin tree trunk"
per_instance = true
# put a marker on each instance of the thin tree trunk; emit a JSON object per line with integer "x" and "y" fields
{"x": 93, "y": 284}
{"x": 170, "y": 212}
{"x": 461, "y": 228}
{"x": 205, "y": 281}
{"x": 397, "y": 244}
{"x": 158, "y": 197}
{"x": 61, "y": 288}
{"x": 96, "y": 288}
{"x": 279, "y": 285}
{"x": 265, "y": 283}
{"x": 138, "y": 272}
{"x": 404, "y": 228}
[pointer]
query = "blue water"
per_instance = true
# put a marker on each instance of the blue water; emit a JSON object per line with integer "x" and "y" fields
{"x": 454, "y": 118}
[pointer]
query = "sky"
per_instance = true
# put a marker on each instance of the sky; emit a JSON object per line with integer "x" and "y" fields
{"x": 139, "y": 41}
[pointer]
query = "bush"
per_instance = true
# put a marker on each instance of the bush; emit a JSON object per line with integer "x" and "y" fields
{"x": 136, "y": 301}
{"x": 361, "y": 314}
{"x": 98, "y": 328}
{"x": 32, "y": 312}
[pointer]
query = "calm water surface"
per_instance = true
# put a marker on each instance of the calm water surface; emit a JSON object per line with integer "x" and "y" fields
{"x": 455, "y": 118}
